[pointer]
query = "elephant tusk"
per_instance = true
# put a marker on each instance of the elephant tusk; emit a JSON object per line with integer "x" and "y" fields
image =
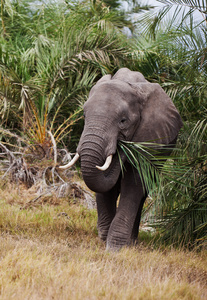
{"x": 106, "y": 164}
{"x": 71, "y": 163}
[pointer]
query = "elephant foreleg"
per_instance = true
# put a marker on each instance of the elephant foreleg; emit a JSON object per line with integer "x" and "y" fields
{"x": 106, "y": 207}
{"x": 126, "y": 221}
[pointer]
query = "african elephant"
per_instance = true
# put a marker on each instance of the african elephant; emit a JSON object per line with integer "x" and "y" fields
{"x": 123, "y": 107}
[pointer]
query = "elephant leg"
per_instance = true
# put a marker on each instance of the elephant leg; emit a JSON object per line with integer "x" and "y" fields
{"x": 135, "y": 229}
{"x": 123, "y": 225}
{"x": 106, "y": 207}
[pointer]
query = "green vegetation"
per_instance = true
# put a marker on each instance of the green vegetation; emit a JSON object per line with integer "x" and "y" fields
{"x": 52, "y": 53}
{"x": 172, "y": 52}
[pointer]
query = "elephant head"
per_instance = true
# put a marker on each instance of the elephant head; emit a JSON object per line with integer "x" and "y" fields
{"x": 123, "y": 107}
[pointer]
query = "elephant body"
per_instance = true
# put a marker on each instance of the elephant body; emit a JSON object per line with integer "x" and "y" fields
{"x": 123, "y": 107}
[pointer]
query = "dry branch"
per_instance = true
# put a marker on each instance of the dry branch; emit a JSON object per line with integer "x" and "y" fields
{"x": 25, "y": 168}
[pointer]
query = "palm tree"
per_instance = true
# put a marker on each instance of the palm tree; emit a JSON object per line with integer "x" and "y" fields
{"x": 49, "y": 60}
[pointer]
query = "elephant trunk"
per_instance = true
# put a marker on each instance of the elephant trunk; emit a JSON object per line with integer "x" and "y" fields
{"x": 92, "y": 151}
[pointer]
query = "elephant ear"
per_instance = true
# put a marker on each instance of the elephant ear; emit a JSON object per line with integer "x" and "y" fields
{"x": 160, "y": 120}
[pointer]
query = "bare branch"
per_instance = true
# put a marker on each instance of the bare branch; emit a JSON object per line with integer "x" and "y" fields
{"x": 54, "y": 147}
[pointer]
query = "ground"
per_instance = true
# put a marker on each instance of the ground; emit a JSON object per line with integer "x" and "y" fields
{"x": 49, "y": 249}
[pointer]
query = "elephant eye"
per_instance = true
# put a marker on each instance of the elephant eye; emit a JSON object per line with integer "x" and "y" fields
{"x": 123, "y": 122}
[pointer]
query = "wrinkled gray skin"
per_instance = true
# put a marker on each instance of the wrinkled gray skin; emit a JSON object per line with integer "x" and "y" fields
{"x": 122, "y": 107}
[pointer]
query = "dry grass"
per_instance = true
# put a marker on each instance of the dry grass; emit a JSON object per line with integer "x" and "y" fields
{"x": 51, "y": 251}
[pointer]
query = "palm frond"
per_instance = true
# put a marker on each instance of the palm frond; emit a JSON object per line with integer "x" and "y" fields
{"x": 184, "y": 215}
{"x": 150, "y": 161}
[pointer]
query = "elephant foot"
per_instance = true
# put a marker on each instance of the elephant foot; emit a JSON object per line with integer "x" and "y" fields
{"x": 116, "y": 247}
{"x": 114, "y": 244}
{"x": 113, "y": 247}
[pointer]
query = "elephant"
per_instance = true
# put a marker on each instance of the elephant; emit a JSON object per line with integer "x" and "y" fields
{"x": 123, "y": 107}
